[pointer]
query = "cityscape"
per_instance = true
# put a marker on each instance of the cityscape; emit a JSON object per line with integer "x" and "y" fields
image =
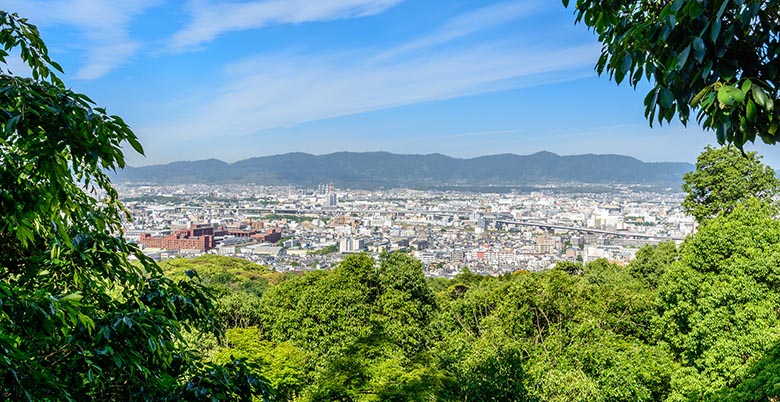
{"x": 294, "y": 229}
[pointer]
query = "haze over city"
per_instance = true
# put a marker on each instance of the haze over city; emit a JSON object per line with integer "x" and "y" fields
{"x": 233, "y": 80}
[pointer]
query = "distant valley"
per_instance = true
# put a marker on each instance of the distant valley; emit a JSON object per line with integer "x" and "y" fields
{"x": 383, "y": 169}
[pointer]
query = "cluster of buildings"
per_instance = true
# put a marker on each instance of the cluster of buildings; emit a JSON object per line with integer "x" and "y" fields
{"x": 491, "y": 233}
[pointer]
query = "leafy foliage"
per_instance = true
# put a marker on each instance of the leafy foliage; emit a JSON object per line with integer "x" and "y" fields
{"x": 238, "y": 285}
{"x": 282, "y": 363}
{"x": 651, "y": 262}
{"x": 723, "y": 179}
{"x": 553, "y": 336}
{"x": 78, "y": 320}
{"x": 762, "y": 383}
{"x": 718, "y": 310}
{"x": 365, "y": 329}
{"x": 717, "y": 57}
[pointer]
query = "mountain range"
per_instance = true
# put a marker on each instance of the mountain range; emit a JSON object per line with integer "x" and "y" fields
{"x": 384, "y": 169}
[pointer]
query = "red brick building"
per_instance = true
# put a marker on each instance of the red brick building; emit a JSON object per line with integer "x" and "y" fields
{"x": 270, "y": 236}
{"x": 198, "y": 238}
{"x": 201, "y": 237}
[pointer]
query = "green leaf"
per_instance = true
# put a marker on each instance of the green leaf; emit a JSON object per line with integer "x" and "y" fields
{"x": 699, "y": 49}
{"x": 665, "y": 98}
{"x": 694, "y": 9}
{"x": 56, "y": 66}
{"x": 625, "y": 63}
{"x": 135, "y": 144}
{"x": 721, "y": 9}
{"x": 682, "y": 58}
{"x": 762, "y": 99}
{"x": 746, "y": 86}
{"x": 666, "y": 30}
{"x": 671, "y": 21}
{"x": 10, "y": 125}
{"x": 715, "y": 31}
{"x": 696, "y": 99}
{"x": 73, "y": 298}
{"x": 729, "y": 96}
{"x": 24, "y": 234}
{"x": 720, "y": 133}
{"x": 651, "y": 98}
{"x": 706, "y": 70}
{"x": 708, "y": 100}
{"x": 750, "y": 111}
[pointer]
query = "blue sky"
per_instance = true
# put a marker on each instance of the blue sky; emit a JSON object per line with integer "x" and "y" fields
{"x": 236, "y": 79}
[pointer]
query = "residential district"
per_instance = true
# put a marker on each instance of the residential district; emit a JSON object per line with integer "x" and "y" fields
{"x": 293, "y": 229}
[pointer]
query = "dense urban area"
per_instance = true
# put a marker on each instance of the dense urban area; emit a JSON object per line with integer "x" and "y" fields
{"x": 292, "y": 229}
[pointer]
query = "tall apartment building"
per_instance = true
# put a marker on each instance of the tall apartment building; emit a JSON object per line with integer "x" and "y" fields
{"x": 350, "y": 245}
{"x": 332, "y": 198}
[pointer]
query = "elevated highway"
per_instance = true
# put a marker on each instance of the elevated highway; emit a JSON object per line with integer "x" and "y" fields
{"x": 549, "y": 225}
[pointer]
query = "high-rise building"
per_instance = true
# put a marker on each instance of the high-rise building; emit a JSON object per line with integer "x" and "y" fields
{"x": 332, "y": 199}
{"x": 350, "y": 245}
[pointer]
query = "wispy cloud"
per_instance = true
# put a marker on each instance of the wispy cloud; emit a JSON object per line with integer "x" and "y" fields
{"x": 103, "y": 25}
{"x": 17, "y": 66}
{"x": 211, "y": 19}
{"x": 467, "y": 24}
{"x": 272, "y": 91}
{"x": 287, "y": 90}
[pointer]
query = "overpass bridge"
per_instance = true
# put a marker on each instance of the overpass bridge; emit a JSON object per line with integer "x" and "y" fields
{"x": 499, "y": 220}
{"x": 549, "y": 225}
{"x": 325, "y": 211}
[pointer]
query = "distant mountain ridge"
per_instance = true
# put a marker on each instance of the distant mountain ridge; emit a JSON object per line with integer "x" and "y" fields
{"x": 384, "y": 169}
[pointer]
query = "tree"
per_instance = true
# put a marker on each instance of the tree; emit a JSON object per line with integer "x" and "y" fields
{"x": 78, "y": 319}
{"x": 724, "y": 178}
{"x": 364, "y": 328}
{"x": 719, "y": 57}
{"x": 571, "y": 268}
{"x": 651, "y": 262}
{"x": 718, "y": 304}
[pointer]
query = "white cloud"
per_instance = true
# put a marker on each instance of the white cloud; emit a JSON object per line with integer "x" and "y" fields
{"x": 103, "y": 24}
{"x": 467, "y": 24}
{"x": 286, "y": 90}
{"x": 272, "y": 91}
{"x": 212, "y": 19}
{"x": 17, "y": 66}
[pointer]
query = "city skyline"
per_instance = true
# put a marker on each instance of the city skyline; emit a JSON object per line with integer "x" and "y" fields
{"x": 234, "y": 80}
